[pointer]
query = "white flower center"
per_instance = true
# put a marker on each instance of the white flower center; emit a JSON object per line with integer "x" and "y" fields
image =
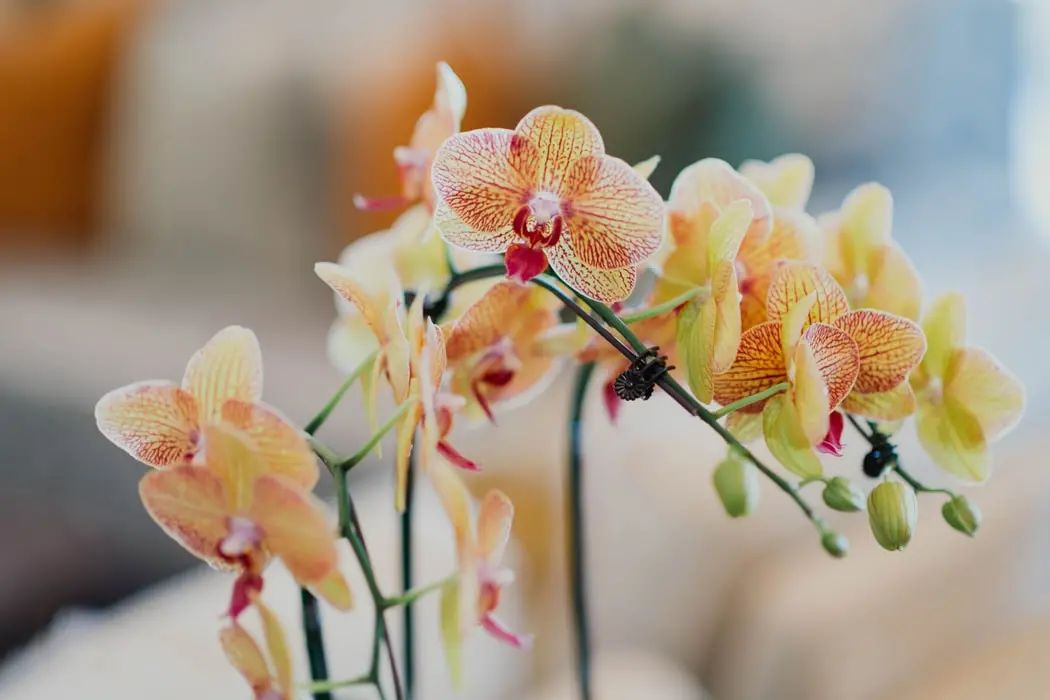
{"x": 544, "y": 207}
{"x": 244, "y": 536}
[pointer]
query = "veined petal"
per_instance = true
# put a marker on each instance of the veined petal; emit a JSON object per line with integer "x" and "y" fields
{"x": 945, "y": 327}
{"x": 890, "y": 348}
{"x": 893, "y": 283}
{"x": 786, "y": 439}
{"x": 274, "y": 440}
{"x": 726, "y": 303}
{"x": 837, "y": 357}
{"x": 607, "y": 286}
{"x": 989, "y": 392}
{"x": 154, "y": 422}
{"x": 715, "y": 182}
{"x": 483, "y": 323}
{"x": 759, "y": 365}
{"x": 953, "y": 438}
{"x": 809, "y": 394}
{"x": 229, "y": 366}
{"x": 295, "y": 528}
{"x": 792, "y": 325}
{"x": 865, "y": 224}
{"x": 560, "y": 137}
{"x": 786, "y": 180}
{"x": 482, "y": 177}
{"x": 495, "y": 515}
{"x": 245, "y": 656}
{"x": 795, "y": 280}
{"x": 794, "y": 237}
{"x": 695, "y": 340}
{"x": 896, "y": 404}
{"x": 343, "y": 283}
{"x": 190, "y": 506}
{"x": 727, "y": 233}
{"x": 228, "y": 454}
{"x": 276, "y": 645}
{"x": 613, "y": 215}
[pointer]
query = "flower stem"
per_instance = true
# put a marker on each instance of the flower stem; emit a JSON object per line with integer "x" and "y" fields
{"x": 412, "y": 595}
{"x": 314, "y": 643}
{"x": 576, "y": 533}
{"x": 748, "y": 400}
{"x": 408, "y": 662}
{"x": 317, "y": 421}
{"x": 662, "y": 308}
{"x": 874, "y": 439}
{"x": 359, "y": 456}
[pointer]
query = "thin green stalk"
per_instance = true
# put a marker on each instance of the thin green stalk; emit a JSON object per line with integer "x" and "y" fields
{"x": 359, "y": 456}
{"x": 408, "y": 656}
{"x": 414, "y": 594}
{"x": 748, "y": 400}
{"x": 875, "y": 438}
{"x": 576, "y": 533}
{"x": 314, "y": 634}
{"x": 317, "y": 421}
{"x": 663, "y": 308}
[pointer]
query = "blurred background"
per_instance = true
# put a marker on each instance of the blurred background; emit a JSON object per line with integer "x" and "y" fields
{"x": 168, "y": 167}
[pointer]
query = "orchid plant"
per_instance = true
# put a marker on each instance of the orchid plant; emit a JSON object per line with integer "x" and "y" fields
{"x": 522, "y": 250}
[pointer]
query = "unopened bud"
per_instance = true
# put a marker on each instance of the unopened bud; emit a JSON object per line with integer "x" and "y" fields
{"x": 962, "y": 515}
{"x": 835, "y": 544}
{"x": 892, "y": 512}
{"x": 840, "y": 494}
{"x": 737, "y": 485}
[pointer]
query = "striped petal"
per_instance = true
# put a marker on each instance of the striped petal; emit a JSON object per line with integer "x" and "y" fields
{"x": 483, "y": 323}
{"x": 695, "y": 340}
{"x": 228, "y": 455}
{"x": 295, "y": 528}
{"x": 495, "y": 515}
{"x": 189, "y": 504}
{"x": 990, "y": 392}
{"x": 229, "y": 366}
{"x": 786, "y": 180}
{"x": 281, "y": 446}
{"x": 893, "y": 405}
{"x": 837, "y": 357}
{"x": 945, "y": 327}
{"x": 952, "y": 436}
{"x": 809, "y": 394}
{"x": 893, "y": 283}
{"x": 613, "y": 216}
{"x": 482, "y": 178}
{"x": 714, "y": 182}
{"x": 795, "y": 280}
{"x": 245, "y": 656}
{"x": 786, "y": 439}
{"x": 154, "y": 422}
{"x": 727, "y": 234}
{"x": 794, "y": 237}
{"x": 560, "y": 138}
{"x": 890, "y": 348}
{"x": 344, "y": 283}
{"x": 606, "y": 286}
{"x": 759, "y": 365}
{"x": 792, "y": 325}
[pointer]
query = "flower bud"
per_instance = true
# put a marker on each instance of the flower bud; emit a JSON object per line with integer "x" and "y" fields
{"x": 962, "y": 515}
{"x": 892, "y": 513}
{"x": 840, "y": 494}
{"x": 835, "y": 544}
{"x": 737, "y": 485}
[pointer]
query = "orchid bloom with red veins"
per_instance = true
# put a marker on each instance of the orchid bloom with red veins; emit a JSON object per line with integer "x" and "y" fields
{"x": 269, "y": 674}
{"x": 493, "y": 347}
{"x": 233, "y": 512}
{"x": 414, "y": 161}
{"x": 546, "y": 192}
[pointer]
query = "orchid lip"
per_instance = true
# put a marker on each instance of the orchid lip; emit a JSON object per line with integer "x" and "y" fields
{"x": 244, "y": 536}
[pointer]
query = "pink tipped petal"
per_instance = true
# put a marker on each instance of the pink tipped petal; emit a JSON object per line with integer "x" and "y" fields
{"x": 832, "y": 442}
{"x": 154, "y": 422}
{"x": 614, "y": 216}
{"x": 890, "y": 348}
{"x": 607, "y": 286}
{"x": 495, "y": 627}
{"x": 794, "y": 281}
{"x": 560, "y": 137}
{"x": 837, "y": 357}
{"x": 523, "y": 262}
{"x": 229, "y": 366}
{"x": 457, "y": 459}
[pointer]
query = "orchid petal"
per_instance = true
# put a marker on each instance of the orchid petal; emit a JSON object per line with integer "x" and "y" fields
{"x": 893, "y": 283}
{"x": 452, "y": 630}
{"x": 495, "y": 515}
{"x": 695, "y": 340}
{"x": 276, "y": 645}
{"x": 896, "y": 404}
{"x": 793, "y": 323}
{"x": 229, "y": 456}
{"x": 189, "y": 504}
{"x": 295, "y": 528}
{"x": 481, "y": 325}
{"x": 714, "y": 182}
{"x": 345, "y": 284}
{"x": 334, "y": 589}
{"x": 865, "y": 223}
{"x": 229, "y": 366}
{"x": 281, "y": 446}
{"x": 606, "y": 286}
{"x": 759, "y": 365}
{"x": 647, "y": 167}
{"x": 990, "y": 393}
{"x": 406, "y": 431}
{"x": 786, "y": 180}
{"x": 786, "y": 440}
{"x": 890, "y": 348}
{"x": 746, "y": 427}
{"x": 837, "y": 357}
{"x": 952, "y": 436}
{"x": 796, "y": 280}
{"x": 560, "y": 138}
{"x": 245, "y": 656}
{"x": 154, "y": 422}
{"x": 350, "y": 341}
{"x": 945, "y": 327}
{"x": 809, "y": 394}
{"x": 793, "y": 237}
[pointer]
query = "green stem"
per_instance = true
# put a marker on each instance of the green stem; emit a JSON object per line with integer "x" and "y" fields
{"x": 314, "y": 635}
{"x": 359, "y": 456}
{"x": 576, "y": 534}
{"x": 748, "y": 400}
{"x": 662, "y": 308}
{"x": 875, "y": 438}
{"x": 325, "y": 686}
{"x": 414, "y": 594}
{"x": 408, "y": 656}
{"x": 317, "y": 421}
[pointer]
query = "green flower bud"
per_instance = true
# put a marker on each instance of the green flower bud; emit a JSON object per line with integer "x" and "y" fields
{"x": 835, "y": 544}
{"x": 892, "y": 513}
{"x": 737, "y": 485}
{"x": 962, "y": 515}
{"x": 840, "y": 494}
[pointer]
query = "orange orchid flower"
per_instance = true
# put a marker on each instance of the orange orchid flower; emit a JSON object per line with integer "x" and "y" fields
{"x": 270, "y": 678}
{"x": 414, "y": 161}
{"x": 162, "y": 424}
{"x": 863, "y": 257}
{"x": 966, "y": 398}
{"x": 234, "y": 513}
{"x": 546, "y": 192}
{"x": 493, "y": 347}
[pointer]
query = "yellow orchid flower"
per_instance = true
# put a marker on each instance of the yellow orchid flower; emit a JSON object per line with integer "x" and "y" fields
{"x": 269, "y": 678}
{"x": 472, "y": 597}
{"x": 786, "y": 180}
{"x": 493, "y": 347}
{"x": 414, "y": 161}
{"x": 967, "y": 399}
{"x": 863, "y": 257}
{"x": 546, "y": 192}
{"x": 162, "y": 424}
{"x": 235, "y": 513}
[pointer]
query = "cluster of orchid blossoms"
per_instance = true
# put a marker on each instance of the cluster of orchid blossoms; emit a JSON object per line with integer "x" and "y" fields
{"x": 518, "y": 250}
